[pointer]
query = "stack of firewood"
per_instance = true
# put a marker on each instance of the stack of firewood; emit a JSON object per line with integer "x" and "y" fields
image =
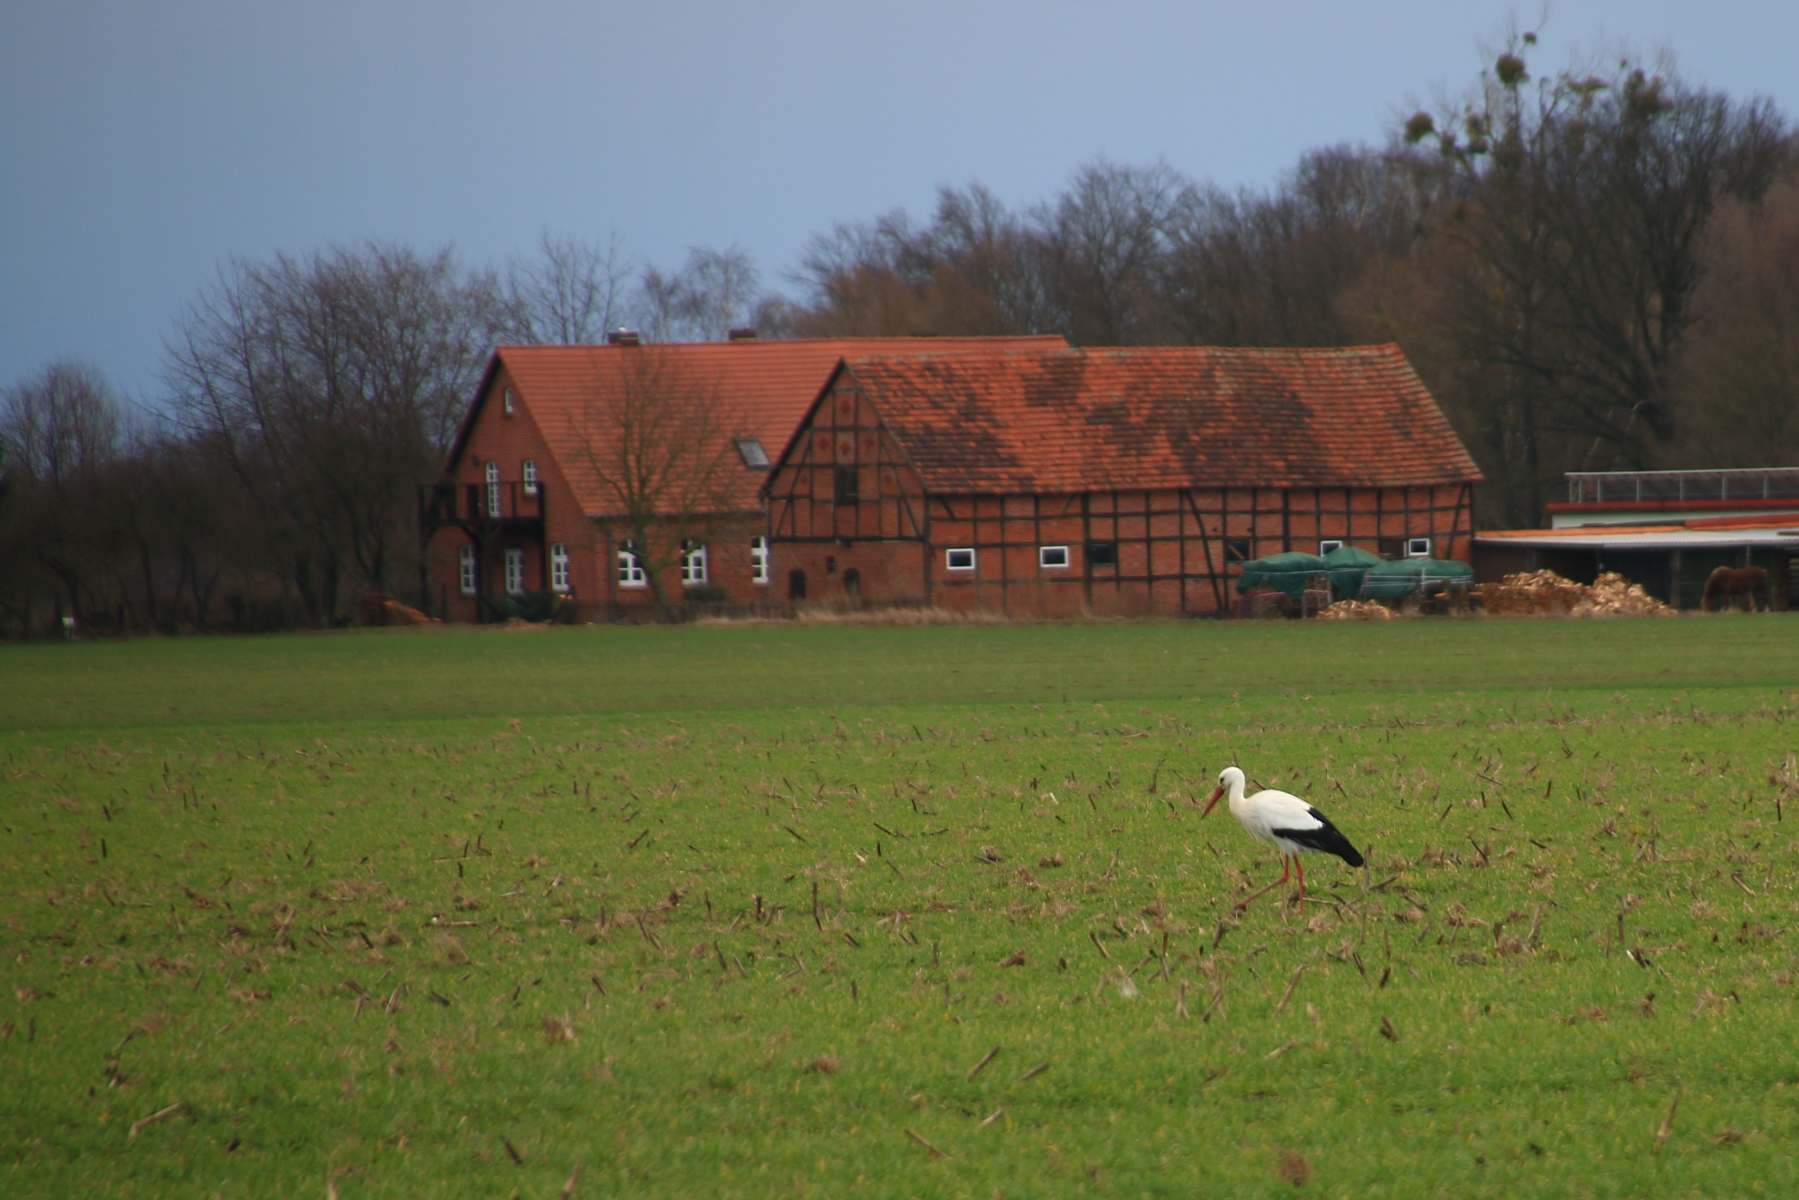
{"x": 1548, "y": 594}
{"x": 1612, "y": 595}
{"x": 1357, "y": 610}
{"x": 1542, "y": 592}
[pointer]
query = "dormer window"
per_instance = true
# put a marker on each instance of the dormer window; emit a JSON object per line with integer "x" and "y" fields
{"x": 754, "y": 456}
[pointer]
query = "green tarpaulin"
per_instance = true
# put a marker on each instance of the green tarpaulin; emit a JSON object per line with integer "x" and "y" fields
{"x": 1353, "y": 574}
{"x": 1346, "y": 566}
{"x": 1402, "y": 577}
{"x": 1287, "y": 573}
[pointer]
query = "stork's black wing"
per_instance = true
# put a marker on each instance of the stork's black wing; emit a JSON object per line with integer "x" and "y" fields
{"x": 1324, "y": 838}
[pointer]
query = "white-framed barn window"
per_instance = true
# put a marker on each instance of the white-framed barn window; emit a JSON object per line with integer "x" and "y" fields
{"x": 759, "y": 571}
{"x": 630, "y": 568}
{"x": 559, "y": 567}
{"x": 693, "y": 565}
{"x": 1417, "y": 547}
{"x": 493, "y": 488}
{"x": 1052, "y": 557}
{"x": 1327, "y": 547}
{"x": 515, "y": 571}
{"x": 959, "y": 559}
{"x": 465, "y": 569}
{"x": 511, "y": 402}
{"x": 530, "y": 472}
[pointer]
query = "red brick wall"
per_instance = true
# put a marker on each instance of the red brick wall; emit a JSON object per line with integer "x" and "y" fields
{"x": 509, "y": 440}
{"x": 845, "y": 433}
{"x": 888, "y": 572}
{"x": 729, "y": 561}
{"x": 1173, "y": 549}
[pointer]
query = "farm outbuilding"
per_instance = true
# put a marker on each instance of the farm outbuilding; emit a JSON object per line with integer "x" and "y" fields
{"x": 1665, "y": 530}
{"x": 1108, "y": 481}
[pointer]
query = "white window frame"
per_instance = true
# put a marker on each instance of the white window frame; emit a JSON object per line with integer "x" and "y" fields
{"x": 559, "y": 567}
{"x": 695, "y": 567}
{"x": 466, "y": 569}
{"x": 759, "y": 560}
{"x": 493, "y": 488}
{"x": 1417, "y": 547}
{"x": 530, "y": 473}
{"x": 1047, "y": 554}
{"x": 510, "y": 402}
{"x": 630, "y": 568}
{"x": 1325, "y": 547}
{"x": 515, "y": 570}
{"x": 949, "y": 559}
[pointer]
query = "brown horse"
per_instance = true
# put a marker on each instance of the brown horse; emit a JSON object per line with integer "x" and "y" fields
{"x": 1728, "y": 583}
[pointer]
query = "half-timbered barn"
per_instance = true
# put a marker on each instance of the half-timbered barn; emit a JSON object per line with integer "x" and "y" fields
{"x": 563, "y": 445}
{"x": 1108, "y": 480}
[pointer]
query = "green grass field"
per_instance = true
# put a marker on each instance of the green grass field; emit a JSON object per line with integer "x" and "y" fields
{"x": 927, "y": 912}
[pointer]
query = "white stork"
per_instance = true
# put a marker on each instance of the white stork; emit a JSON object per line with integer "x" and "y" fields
{"x": 1285, "y": 822}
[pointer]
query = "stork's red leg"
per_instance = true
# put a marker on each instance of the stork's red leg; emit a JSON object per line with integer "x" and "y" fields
{"x": 1302, "y": 875}
{"x": 1285, "y": 872}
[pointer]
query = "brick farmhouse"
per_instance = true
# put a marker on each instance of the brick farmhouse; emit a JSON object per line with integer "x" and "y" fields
{"x": 1124, "y": 481}
{"x": 562, "y": 443}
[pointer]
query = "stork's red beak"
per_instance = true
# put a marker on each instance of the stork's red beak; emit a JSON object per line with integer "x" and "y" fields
{"x": 1216, "y": 792}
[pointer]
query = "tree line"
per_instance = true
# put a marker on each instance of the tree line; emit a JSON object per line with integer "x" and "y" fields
{"x": 1595, "y": 269}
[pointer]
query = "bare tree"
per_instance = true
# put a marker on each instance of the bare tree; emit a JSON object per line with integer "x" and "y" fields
{"x": 657, "y": 436}
{"x": 975, "y": 269}
{"x": 1276, "y": 269}
{"x": 63, "y": 430}
{"x": 1102, "y": 241}
{"x": 1578, "y": 208}
{"x": 569, "y": 295}
{"x": 714, "y": 292}
{"x": 331, "y": 385}
{"x": 1737, "y": 377}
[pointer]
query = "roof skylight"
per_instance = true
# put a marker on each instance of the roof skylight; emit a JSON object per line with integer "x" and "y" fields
{"x": 754, "y": 456}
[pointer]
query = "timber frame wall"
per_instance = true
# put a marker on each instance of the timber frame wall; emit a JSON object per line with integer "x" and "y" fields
{"x": 850, "y": 514}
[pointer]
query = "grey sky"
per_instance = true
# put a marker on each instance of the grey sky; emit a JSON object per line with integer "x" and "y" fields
{"x": 141, "y": 145}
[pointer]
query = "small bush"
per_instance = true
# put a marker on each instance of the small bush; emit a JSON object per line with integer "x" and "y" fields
{"x": 532, "y": 606}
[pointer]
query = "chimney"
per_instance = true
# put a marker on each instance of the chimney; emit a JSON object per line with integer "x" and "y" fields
{"x": 741, "y": 335}
{"x": 623, "y": 337}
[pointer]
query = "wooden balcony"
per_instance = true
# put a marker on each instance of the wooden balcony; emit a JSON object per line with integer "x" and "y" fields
{"x": 481, "y": 509}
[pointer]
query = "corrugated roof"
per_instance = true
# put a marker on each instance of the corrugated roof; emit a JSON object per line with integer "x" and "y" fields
{"x": 752, "y": 389}
{"x": 1694, "y": 532}
{"x": 1080, "y": 420}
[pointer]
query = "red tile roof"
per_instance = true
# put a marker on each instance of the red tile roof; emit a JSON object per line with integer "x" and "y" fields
{"x": 763, "y": 388}
{"x": 1080, "y": 420}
